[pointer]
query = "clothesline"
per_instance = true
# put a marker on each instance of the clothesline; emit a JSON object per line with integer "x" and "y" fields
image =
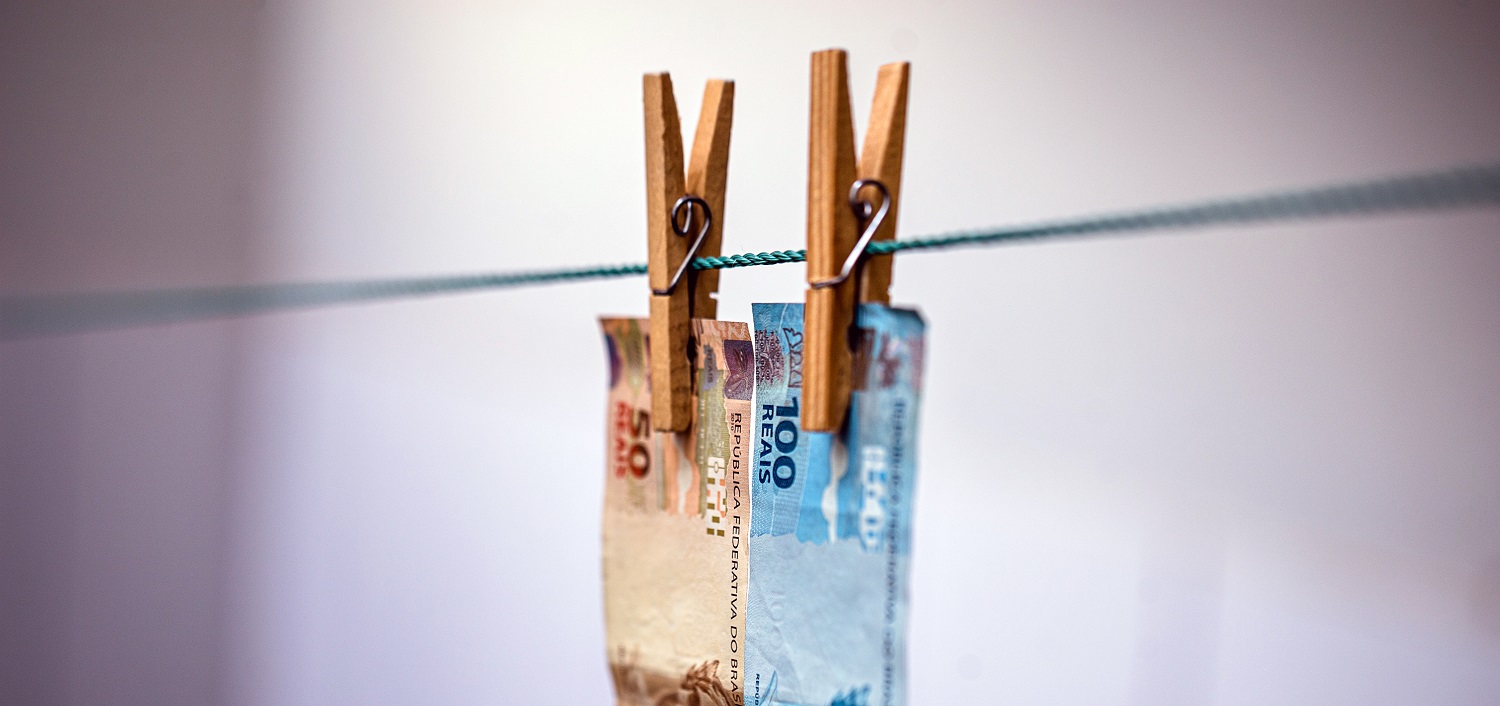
{"x": 27, "y": 316}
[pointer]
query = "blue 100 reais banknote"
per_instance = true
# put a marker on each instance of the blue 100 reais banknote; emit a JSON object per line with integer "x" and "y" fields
{"x": 830, "y": 519}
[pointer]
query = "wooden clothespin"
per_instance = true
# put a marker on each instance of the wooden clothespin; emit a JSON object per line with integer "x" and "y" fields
{"x": 841, "y": 222}
{"x": 684, "y": 220}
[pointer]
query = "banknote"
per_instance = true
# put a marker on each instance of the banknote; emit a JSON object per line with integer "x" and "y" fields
{"x": 831, "y": 519}
{"x": 676, "y": 523}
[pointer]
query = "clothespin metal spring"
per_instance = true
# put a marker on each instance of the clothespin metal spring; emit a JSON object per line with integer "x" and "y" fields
{"x": 862, "y": 210}
{"x": 682, "y": 227}
{"x": 687, "y": 203}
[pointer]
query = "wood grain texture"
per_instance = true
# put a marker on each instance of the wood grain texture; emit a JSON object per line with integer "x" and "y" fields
{"x": 707, "y": 178}
{"x": 885, "y": 144}
{"x": 830, "y": 235}
{"x": 671, "y": 383}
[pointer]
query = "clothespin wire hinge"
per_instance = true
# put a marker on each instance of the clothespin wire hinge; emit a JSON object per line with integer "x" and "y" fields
{"x": 871, "y": 225}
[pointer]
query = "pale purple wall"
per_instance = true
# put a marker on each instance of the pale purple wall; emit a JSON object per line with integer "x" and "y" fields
{"x": 1250, "y": 466}
{"x": 127, "y": 138}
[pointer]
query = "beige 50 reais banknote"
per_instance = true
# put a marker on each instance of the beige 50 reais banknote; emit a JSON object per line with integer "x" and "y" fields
{"x": 677, "y": 523}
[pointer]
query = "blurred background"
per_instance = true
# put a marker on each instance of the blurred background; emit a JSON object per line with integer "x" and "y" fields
{"x": 1242, "y": 466}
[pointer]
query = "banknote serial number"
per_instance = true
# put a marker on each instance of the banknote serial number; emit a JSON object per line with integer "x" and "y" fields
{"x": 778, "y": 441}
{"x": 632, "y": 431}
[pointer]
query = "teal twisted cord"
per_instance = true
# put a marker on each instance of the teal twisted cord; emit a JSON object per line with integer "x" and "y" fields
{"x": 24, "y": 316}
{"x": 1440, "y": 190}
{"x": 775, "y": 257}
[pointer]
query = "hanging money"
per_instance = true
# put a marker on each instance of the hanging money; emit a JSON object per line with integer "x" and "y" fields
{"x": 832, "y": 519}
{"x": 676, "y": 524}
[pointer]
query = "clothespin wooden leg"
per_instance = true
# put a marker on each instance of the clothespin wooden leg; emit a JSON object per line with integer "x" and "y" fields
{"x": 707, "y": 178}
{"x": 671, "y": 388}
{"x": 831, "y": 229}
{"x": 675, "y": 302}
{"x": 830, "y": 234}
{"x": 885, "y": 144}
